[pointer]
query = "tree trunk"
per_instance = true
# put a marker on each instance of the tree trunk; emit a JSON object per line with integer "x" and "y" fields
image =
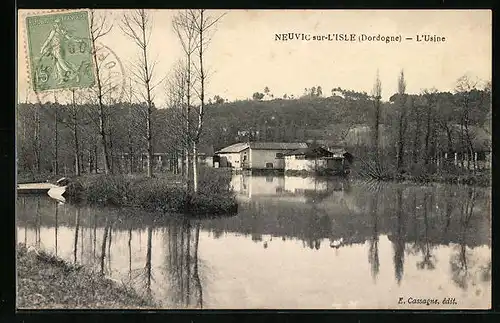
{"x": 202, "y": 103}
{"x": 400, "y": 158}
{"x": 95, "y": 159}
{"x": 376, "y": 130}
{"x": 427, "y": 136}
{"x": 111, "y": 152}
{"x": 56, "y": 143}
{"x": 416, "y": 141}
{"x": 77, "y": 150}
{"x": 195, "y": 167}
{"x": 102, "y": 117}
{"x": 149, "y": 102}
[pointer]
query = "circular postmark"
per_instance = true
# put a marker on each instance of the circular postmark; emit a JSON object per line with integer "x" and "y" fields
{"x": 111, "y": 74}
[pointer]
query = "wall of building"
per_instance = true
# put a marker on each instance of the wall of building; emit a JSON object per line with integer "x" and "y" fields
{"x": 260, "y": 158}
{"x": 233, "y": 159}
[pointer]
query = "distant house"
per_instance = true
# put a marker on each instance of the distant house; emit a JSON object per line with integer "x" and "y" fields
{"x": 206, "y": 155}
{"x": 459, "y": 152}
{"x": 315, "y": 159}
{"x": 257, "y": 155}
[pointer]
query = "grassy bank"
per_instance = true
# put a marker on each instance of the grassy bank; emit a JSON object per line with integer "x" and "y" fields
{"x": 44, "y": 281}
{"x": 420, "y": 175}
{"x": 480, "y": 179}
{"x": 161, "y": 193}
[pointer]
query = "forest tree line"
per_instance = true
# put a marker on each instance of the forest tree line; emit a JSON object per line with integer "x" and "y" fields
{"x": 414, "y": 126}
{"x": 100, "y": 130}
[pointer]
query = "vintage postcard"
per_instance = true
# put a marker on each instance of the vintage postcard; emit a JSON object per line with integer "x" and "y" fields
{"x": 254, "y": 159}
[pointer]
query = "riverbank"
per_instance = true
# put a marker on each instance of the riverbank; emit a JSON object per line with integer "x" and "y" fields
{"x": 480, "y": 178}
{"x": 162, "y": 193}
{"x": 45, "y": 281}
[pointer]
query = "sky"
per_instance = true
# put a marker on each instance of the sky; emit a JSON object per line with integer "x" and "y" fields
{"x": 244, "y": 57}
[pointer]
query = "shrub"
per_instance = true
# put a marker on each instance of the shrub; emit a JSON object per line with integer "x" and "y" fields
{"x": 108, "y": 189}
{"x": 75, "y": 191}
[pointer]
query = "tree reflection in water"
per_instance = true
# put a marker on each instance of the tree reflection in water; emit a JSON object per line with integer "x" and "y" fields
{"x": 182, "y": 264}
{"x": 148, "y": 261}
{"x": 94, "y": 244}
{"x": 428, "y": 260}
{"x": 461, "y": 261}
{"x": 38, "y": 224}
{"x": 56, "y": 211}
{"x": 109, "y": 246}
{"x": 373, "y": 257}
{"x": 103, "y": 245}
{"x": 399, "y": 245}
{"x": 130, "y": 251}
{"x": 77, "y": 228}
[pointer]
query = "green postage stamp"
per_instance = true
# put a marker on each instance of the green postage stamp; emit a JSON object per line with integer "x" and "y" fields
{"x": 60, "y": 51}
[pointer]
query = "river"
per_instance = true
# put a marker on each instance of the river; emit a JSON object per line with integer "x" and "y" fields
{"x": 296, "y": 243}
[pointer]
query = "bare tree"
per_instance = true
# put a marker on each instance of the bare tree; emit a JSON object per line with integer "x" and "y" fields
{"x": 176, "y": 87}
{"x": 401, "y": 101}
{"x": 431, "y": 100}
{"x": 183, "y": 25}
{"x": 99, "y": 27}
{"x": 56, "y": 137}
{"x": 73, "y": 123}
{"x": 465, "y": 88}
{"x": 377, "y": 96}
{"x": 137, "y": 25}
{"x": 202, "y": 24}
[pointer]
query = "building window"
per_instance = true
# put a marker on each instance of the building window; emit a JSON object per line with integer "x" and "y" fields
{"x": 244, "y": 157}
{"x": 279, "y": 155}
{"x": 269, "y": 165}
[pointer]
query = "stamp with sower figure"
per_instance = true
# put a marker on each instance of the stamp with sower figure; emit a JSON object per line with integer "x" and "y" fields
{"x": 60, "y": 51}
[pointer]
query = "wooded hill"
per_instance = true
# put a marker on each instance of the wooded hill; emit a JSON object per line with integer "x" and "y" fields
{"x": 422, "y": 123}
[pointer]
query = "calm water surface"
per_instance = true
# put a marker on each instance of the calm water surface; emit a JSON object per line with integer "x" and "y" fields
{"x": 295, "y": 243}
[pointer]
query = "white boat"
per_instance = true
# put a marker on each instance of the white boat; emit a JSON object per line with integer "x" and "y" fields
{"x": 57, "y": 192}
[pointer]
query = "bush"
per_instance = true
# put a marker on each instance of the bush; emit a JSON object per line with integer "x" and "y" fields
{"x": 75, "y": 191}
{"x": 108, "y": 189}
{"x": 159, "y": 196}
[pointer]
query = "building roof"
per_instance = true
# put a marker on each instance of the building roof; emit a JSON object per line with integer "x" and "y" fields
{"x": 278, "y": 145}
{"x": 236, "y": 148}
{"x": 312, "y": 152}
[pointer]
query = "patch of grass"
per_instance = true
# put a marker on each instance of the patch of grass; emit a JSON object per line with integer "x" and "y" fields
{"x": 45, "y": 281}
